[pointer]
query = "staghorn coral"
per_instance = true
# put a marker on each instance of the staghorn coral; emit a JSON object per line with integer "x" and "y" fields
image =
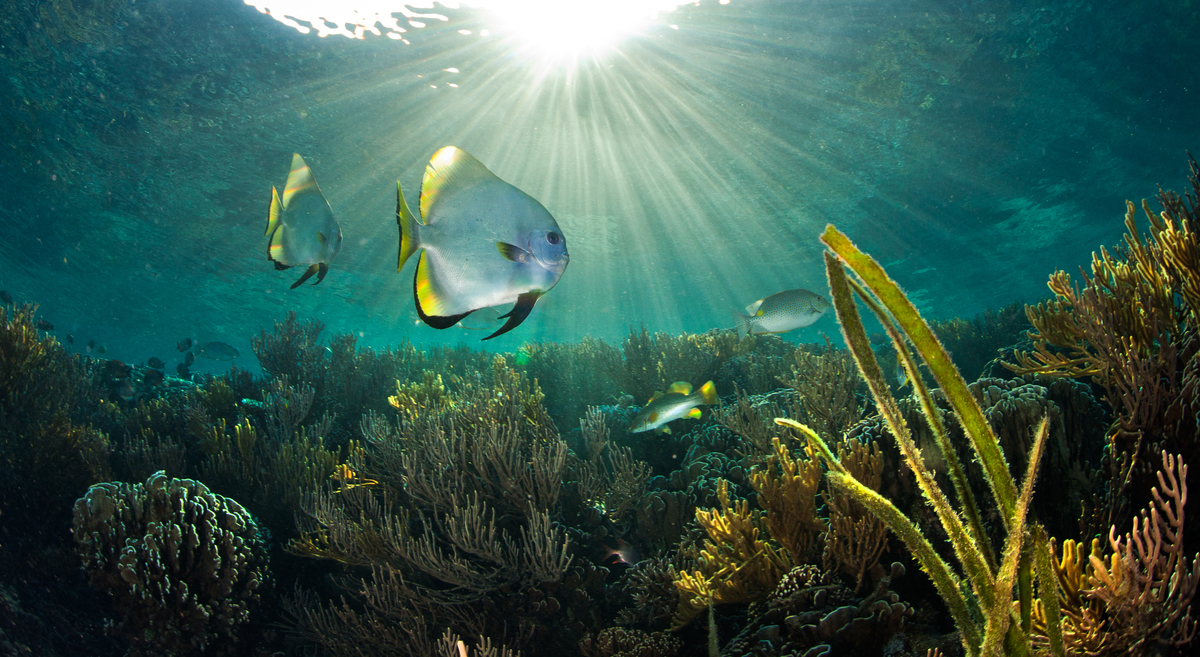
{"x": 787, "y": 489}
{"x": 446, "y": 514}
{"x": 1133, "y": 328}
{"x": 856, "y": 538}
{"x": 46, "y": 458}
{"x": 652, "y": 362}
{"x": 609, "y": 479}
{"x": 736, "y": 563}
{"x": 1134, "y": 599}
{"x": 185, "y": 567}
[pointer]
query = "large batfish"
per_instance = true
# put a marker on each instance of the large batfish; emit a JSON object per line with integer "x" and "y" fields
{"x": 485, "y": 243}
{"x": 302, "y": 227}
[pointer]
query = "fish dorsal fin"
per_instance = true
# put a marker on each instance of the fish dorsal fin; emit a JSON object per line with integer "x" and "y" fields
{"x": 752, "y": 309}
{"x": 300, "y": 180}
{"x": 449, "y": 168}
{"x": 681, "y": 387}
{"x": 653, "y": 397}
{"x": 275, "y": 214}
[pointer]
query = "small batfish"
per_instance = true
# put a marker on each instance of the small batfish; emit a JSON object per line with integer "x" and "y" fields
{"x": 155, "y": 363}
{"x": 101, "y": 349}
{"x": 302, "y": 227}
{"x": 485, "y": 243}
{"x": 217, "y": 351}
{"x": 678, "y": 401}
{"x": 184, "y": 344}
{"x": 182, "y": 371}
{"x": 781, "y": 312}
{"x": 5, "y": 297}
{"x": 189, "y": 359}
{"x": 44, "y": 325}
{"x": 70, "y": 339}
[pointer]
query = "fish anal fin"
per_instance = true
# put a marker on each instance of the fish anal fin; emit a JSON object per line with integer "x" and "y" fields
{"x": 694, "y": 414}
{"x": 435, "y": 321}
{"x": 512, "y": 252}
{"x": 308, "y": 273}
{"x": 682, "y": 387}
{"x": 519, "y": 312}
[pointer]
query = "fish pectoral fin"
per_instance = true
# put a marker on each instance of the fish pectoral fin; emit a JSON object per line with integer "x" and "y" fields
{"x": 321, "y": 238}
{"x": 519, "y": 312}
{"x": 512, "y": 252}
{"x": 665, "y": 429}
{"x": 308, "y": 273}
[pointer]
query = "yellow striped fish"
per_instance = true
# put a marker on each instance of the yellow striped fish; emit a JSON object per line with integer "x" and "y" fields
{"x": 302, "y": 227}
{"x": 485, "y": 243}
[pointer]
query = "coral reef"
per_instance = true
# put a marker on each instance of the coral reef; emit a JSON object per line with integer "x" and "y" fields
{"x": 1133, "y": 328}
{"x": 185, "y": 567}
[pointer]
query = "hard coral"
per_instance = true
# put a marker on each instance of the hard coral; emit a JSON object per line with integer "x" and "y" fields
{"x": 185, "y": 567}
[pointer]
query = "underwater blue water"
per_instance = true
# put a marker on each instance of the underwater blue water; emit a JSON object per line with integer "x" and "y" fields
{"x": 972, "y": 147}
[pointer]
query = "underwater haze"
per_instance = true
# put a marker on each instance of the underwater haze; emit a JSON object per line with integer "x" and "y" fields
{"x": 970, "y": 146}
{"x": 609, "y": 328}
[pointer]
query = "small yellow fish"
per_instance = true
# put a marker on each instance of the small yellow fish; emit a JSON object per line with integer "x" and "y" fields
{"x": 347, "y": 478}
{"x": 483, "y": 243}
{"x": 677, "y": 402}
{"x": 302, "y": 227}
{"x": 781, "y": 312}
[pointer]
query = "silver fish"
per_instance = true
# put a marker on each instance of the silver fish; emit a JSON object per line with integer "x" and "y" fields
{"x": 216, "y": 351}
{"x": 781, "y": 312}
{"x": 302, "y": 227}
{"x": 677, "y": 402}
{"x": 485, "y": 242}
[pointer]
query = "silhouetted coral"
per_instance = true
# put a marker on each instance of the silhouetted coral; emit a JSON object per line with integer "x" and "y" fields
{"x": 629, "y": 642}
{"x": 185, "y": 567}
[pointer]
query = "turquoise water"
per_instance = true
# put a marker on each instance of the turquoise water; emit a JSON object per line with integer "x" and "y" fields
{"x": 692, "y": 159}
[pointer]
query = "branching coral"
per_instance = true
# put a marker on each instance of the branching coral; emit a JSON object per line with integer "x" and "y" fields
{"x": 1134, "y": 599}
{"x": 1132, "y": 327}
{"x": 827, "y": 388}
{"x": 449, "y": 506}
{"x": 609, "y": 478}
{"x": 185, "y": 567}
{"x": 856, "y": 538}
{"x": 652, "y": 362}
{"x": 787, "y": 489}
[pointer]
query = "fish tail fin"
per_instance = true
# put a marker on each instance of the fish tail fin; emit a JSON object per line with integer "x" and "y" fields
{"x": 708, "y": 392}
{"x": 741, "y": 323}
{"x": 409, "y": 229}
{"x": 275, "y": 214}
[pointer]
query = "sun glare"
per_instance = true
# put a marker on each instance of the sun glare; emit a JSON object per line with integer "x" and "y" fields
{"x": 557, "y": 27}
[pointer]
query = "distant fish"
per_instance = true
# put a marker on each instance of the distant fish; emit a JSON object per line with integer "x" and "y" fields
{"x": 126, "y": 390}
{"x": 302, "y": 227}
{"x": 901, "y": 373}
{"x": 155, "y": 363}
{"x": 216, "y": 351}
{"x": 182, "y": 371}
{"x": 486, "y": 243}
{"x": 679, "y": 401}
{"x": 91, "y": 345}
{"x": 70, "y": 339}
{"x": 623, "y": 553}
{"x": 152, "y": 378}
{"x": 878, "y": 339}
{"x": 184, "y": 344}
{"x": 44, "y": 325}
{"x": 101, "y": 349}
{"x": 5, "y": 297}
{"x": 781, "y": 312}
{"x": 189, "y": 359}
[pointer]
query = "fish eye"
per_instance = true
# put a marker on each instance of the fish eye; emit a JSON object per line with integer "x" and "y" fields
{"x": 552, "y": 237}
